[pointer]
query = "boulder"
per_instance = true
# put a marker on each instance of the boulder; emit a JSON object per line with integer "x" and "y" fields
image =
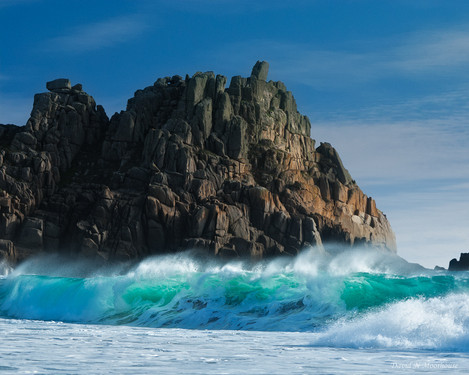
{"x": 59, "y": 84}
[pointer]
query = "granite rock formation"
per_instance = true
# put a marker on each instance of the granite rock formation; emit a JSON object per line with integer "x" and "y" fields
{"x": 459, "y": 265}
{"x": 189, "y": 164}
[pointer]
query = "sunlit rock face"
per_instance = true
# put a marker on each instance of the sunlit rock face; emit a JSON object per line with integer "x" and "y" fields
{"x": 190, "y": 163}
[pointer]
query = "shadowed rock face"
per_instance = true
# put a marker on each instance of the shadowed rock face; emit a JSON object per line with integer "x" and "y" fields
{"x": 189, "y": 164}
{"x": 459, "y": 265}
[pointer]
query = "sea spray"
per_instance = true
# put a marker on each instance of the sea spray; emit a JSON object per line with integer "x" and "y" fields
{"x": 440, "y": 323}
{"x": 359, "y": 298}
{"x": 5, "y": 268}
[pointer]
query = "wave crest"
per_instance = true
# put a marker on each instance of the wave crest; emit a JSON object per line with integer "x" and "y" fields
{"x": 360, "y": 298}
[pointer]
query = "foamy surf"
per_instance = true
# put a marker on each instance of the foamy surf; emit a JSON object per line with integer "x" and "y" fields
{"x": 439, "y": 323}
{"x": 352, "y": 299}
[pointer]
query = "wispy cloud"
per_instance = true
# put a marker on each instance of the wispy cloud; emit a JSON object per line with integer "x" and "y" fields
{"x": 434, "y": 50}
{"x": 392, "y": 153}
{"x": 411, "y": 56}
{"x": 432, "y": 229}
{"x": 429, "y": 220}
{"x": 449, "y": 106}
{"x": 99, "y": 35}
{"x": 6, "y": 3}
{"x": 225, "y": 6}
{"x": 455, "y": 187}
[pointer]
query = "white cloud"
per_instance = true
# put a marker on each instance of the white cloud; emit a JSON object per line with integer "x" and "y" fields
{"x": 384, "y": 153}
{"x": 99, "y": 35}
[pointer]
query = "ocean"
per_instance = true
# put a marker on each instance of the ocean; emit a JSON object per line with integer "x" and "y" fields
{"x": 340, "y": 312}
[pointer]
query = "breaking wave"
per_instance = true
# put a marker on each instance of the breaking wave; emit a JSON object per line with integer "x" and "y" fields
{"x": 360, "y": 298}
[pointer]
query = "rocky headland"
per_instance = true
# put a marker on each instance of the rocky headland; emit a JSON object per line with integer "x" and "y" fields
{"x": 190, "y": 163}
{"x": 459, "y": 265}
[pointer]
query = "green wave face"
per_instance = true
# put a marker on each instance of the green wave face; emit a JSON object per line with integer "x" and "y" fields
{"x": 364, "y": 290}
{"x": 306, "y": 294}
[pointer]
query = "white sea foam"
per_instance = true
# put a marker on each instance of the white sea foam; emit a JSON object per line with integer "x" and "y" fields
{"x": 5, "y": 268}
{"x": 359, "y": 298}
{"x": 63, "y": 348}
{"x": 440, "y": 323}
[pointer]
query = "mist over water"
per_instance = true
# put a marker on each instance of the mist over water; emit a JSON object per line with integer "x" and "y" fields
{"x": 343, "y": 297}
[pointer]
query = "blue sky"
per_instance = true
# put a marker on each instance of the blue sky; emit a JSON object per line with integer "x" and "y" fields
{"x": 386, "y": 82}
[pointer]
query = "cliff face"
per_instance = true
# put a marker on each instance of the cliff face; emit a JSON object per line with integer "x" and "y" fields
{"x": 188, "y": 164}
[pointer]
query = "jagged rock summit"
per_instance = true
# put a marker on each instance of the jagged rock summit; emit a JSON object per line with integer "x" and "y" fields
{"x": 189, "y": 164}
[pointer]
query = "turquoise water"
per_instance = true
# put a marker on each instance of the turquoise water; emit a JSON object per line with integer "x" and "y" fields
{"x": 354, "y": 299}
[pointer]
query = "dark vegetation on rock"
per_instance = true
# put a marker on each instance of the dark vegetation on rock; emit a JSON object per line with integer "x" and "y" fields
{"x": 189, "y": 164}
